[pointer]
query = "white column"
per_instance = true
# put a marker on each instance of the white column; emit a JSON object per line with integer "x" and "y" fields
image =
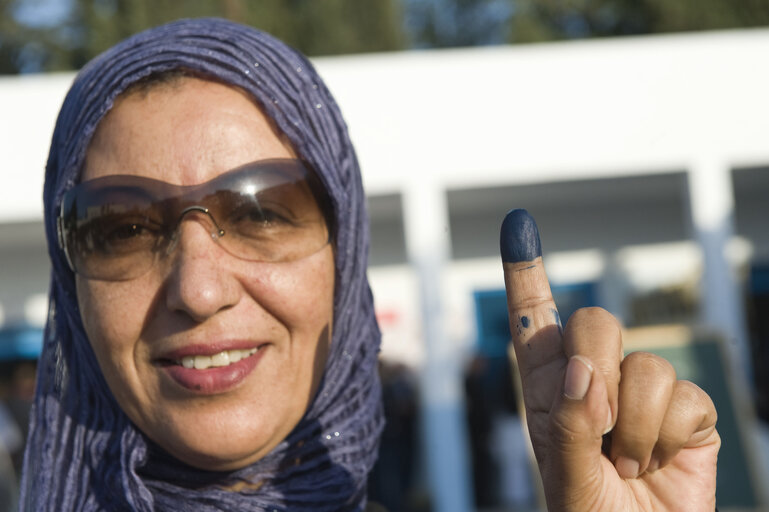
{"x": 426, "y": 222}
{"x": 711, "y": 195}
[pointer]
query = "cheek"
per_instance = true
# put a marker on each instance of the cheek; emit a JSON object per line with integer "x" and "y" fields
{"x": 112, "y": 316}
{"x": 301, "y": 293}
{"x": 318, "y": 288}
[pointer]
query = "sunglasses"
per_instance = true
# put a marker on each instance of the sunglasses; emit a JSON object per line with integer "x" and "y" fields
{"x": 118, "y": 227}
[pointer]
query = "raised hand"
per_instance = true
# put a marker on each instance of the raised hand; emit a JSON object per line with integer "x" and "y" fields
{"x": 609, "y": 433}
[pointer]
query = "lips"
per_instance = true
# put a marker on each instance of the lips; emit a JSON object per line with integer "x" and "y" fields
{"x": 209, "y": 370}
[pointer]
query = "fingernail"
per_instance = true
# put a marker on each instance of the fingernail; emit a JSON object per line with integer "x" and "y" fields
{"x": 609, "y": 423}
{"x": 653, "y": 466}
{"x": 519, "y": 237}
{"x": 626, "y": 468}
{"x": 578, "y": 374}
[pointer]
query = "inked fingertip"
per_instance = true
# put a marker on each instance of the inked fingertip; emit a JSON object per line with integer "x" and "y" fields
{"x": 519, "y": 237}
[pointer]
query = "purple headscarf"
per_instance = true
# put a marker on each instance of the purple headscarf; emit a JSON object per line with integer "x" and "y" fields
{"x": 83, "y": 452}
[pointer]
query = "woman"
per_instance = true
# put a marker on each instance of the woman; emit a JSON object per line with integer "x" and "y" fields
{"x": 212, "y": 343}
{"x": 120, "y": 422}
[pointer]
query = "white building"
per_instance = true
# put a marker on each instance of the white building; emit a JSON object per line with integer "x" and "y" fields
{"x": 644, "y": 160}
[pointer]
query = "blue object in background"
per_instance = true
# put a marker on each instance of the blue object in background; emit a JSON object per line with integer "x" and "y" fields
{"x": 570, "y": 297}
{"x": 491, "y": 313}
{"x": 759, "y": 279}
{"x": 491, "y": 322}
{"x": 20, "y": 343}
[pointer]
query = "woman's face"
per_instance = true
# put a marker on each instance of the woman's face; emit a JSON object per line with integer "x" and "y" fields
{"x": 204, "y": 301}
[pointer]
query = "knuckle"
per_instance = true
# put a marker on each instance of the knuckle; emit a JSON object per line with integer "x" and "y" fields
{"x": 647, "y": 363}
{"x": 689, "y": 391}
{"x": 693, "y": 398}
{"x": 591, "y": 317}
{"x": 589, "y": 328}
{"x": 530, "y": 302}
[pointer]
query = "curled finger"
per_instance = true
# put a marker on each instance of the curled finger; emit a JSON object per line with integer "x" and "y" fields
{"x": 689, "y": 420}
{"x": 646, "y": 387}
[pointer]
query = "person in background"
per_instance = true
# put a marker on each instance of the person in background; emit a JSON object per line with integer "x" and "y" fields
{"x": 10, "y": 442}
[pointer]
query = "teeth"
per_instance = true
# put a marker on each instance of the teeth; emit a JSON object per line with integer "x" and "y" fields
{"x": 220, "y": 359}
{"x": 202, "y": 362}
{"x": 223, "y": 358}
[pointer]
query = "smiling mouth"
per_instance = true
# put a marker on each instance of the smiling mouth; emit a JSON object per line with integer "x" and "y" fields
{"x": 223, "y": 358}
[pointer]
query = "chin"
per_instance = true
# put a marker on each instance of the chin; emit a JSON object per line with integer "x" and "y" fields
{"x": 218, "y": 461}
{"x": 218, "y": 439}
{"x": 221, "y": 456}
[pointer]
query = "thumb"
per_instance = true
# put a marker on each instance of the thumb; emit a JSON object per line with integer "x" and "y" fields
{"x": 577, "y": 424}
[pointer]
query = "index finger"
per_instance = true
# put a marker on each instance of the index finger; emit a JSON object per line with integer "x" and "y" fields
{"x": 535, "y": 324}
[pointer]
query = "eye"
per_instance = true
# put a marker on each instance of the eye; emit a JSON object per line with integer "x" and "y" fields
{"x": 259, "y": 219}
{"x": 264, "y": 215}
{"x": 121, "y": 235}
{"x": 260, "y": 210}
{"x": 127, "y": 231}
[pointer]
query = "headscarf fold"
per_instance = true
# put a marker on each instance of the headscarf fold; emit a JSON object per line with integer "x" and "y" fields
{"x": 83, "y": 453}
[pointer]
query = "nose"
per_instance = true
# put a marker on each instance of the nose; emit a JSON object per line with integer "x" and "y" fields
{"x": 200, "y": 282}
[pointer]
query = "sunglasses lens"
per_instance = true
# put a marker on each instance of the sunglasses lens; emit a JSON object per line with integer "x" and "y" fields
{"x": 117, "y": 227}
{"x": 281, "y": 223}
{"x": 110, "y": 229}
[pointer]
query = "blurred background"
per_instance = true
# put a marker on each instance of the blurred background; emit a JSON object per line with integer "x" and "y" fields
{"x": 634, "y": 131}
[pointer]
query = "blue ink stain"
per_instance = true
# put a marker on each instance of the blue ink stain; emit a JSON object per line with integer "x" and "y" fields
{"x": 525, "y": 321}
{"x": 557, "y": 320}
{"x": 519, "y": 237}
